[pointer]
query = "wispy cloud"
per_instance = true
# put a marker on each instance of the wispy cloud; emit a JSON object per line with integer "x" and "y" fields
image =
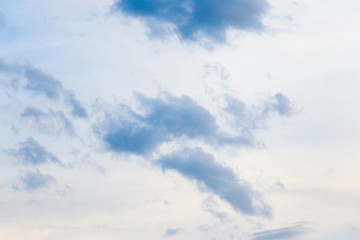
{"x": 211, "y": 176}
{"x": 170, "y": 232}
{"x": 196, "y": 19}
{"x": 54, "y": 122}
{"x": 41, "y": 83}
{"x": 211, "y": 206}
{"x": 30, "y": 152}
{"x": 281, "y": 233}
{"x": 34, "y": 180}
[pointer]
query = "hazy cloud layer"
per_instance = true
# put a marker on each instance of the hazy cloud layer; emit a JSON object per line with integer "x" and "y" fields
{"x": 30, "y": 152}
{"x": 195, "y": 19}
{"x": 216, "y": 178}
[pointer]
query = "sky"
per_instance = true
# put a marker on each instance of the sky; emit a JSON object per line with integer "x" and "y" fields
{"x": 188, "y": 119}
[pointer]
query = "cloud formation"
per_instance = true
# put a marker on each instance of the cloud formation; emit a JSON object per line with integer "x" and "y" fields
{"x": 279, "y": 103}
{"x": 34, "y": 180}
{"x": 30, "y": 152}
{"x": 281, "y": 233}
{"x": 163, "y": 120}
{"x": 49, "y": 122}
{"x": 216, "y": 178}
{"x": 170, "y": 232}
{"x": 211, "y": 206}
{"x": 167, "y": 118}
{"x": 196, "y": 19}
{"x": 41, "y": 83}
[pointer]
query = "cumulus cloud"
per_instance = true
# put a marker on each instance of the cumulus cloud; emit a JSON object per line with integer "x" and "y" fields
{"x": 39, "y": 82}
{"x": 34, "y": 180}
{"x": 281, "y": 233}
{"x": 195, "y": 19}
{"x": 167, "y": 118}
{"x": 164, "y": 119}
{"x": 216, "y": 178}
{"x": 30, "y": 152}
{"x": 54, "y": 122}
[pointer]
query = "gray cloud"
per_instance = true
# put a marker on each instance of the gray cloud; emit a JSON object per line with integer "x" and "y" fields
{"x": 211, "y": 206}
{"x": 167, "y": 118}
{"x": 41, "y": 83}
{"x": 54, "y": 122}
{"x": 30, "y": 152}
{"x": 281, "y": 104}
{"x": 34, "y": 180}
{"x": 170, "y": 232}
{"x": 77, "y": 109}
{"x": 216, "y": 178}
{"x": 196, "y": 19}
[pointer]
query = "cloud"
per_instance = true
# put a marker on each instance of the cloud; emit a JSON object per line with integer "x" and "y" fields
{"x": 77, "y": 109}
{"x": 196, "y": 19}
{"x": 281, "y": 104}
{"x": 216, "y": 178}
{"x": 30, "y": 152}
{"x": 170, "y": 232}
{"x": 49, "y": 122}
{"x": 166, "y": 118}
{"x": 211, "y": 206}
{"x": 41, "y": 83}
{"x": 248, "y": 118}
{"x": 34, "y": 180}
{"x": 281, "y": 233}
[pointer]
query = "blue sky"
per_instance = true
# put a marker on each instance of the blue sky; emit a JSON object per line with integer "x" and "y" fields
{"x": 191, "y": 119}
